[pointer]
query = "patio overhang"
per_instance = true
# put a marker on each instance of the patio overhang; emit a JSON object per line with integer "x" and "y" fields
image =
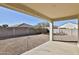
{"x": 48, "y": 11}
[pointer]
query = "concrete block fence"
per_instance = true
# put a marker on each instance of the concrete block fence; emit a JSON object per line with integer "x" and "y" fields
{"x": 18, "y": 31}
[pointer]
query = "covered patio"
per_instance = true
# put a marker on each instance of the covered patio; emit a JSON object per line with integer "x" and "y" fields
{"x": 54, "y": 48}
{"x": 51, "y": 12}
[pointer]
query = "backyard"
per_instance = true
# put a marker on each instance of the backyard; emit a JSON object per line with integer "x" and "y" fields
{"x": 19, "y": 45}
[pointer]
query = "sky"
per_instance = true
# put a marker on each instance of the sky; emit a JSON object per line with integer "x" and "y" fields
{"x": 11, "y": 17}
{"x": 60, "y": 23}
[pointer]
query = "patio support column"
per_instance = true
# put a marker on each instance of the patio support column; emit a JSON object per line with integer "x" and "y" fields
{"x": 51, "y": 31}
{"x": 78, "y": 32}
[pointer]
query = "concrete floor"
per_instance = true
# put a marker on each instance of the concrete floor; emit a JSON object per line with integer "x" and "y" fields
{"x": 54, "y": 48}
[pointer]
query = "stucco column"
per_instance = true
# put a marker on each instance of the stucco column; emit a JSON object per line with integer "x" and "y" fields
{"x": 51, "y": 37}
{"x": 78, "y": 32}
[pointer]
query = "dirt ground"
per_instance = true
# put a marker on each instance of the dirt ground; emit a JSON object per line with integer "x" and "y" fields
{"x": 19, "y": 45}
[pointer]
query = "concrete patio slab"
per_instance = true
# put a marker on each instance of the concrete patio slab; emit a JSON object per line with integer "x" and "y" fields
{"x": 54, "y": 48}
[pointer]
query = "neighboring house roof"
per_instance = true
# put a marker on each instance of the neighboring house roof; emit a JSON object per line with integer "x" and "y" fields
{"x": 23, "y": 25}
{"x": 69, "y": 26}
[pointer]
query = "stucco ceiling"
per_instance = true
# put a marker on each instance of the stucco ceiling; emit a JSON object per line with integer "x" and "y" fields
{"x": 56, "y": 10}
{"x": 50, "y": 11}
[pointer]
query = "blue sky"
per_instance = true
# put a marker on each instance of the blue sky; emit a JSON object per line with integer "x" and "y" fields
{"x": 12, "y": 17}
{"x": 59, "y": 23}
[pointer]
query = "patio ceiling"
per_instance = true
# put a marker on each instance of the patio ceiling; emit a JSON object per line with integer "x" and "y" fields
{"x": 48, "y": 11}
